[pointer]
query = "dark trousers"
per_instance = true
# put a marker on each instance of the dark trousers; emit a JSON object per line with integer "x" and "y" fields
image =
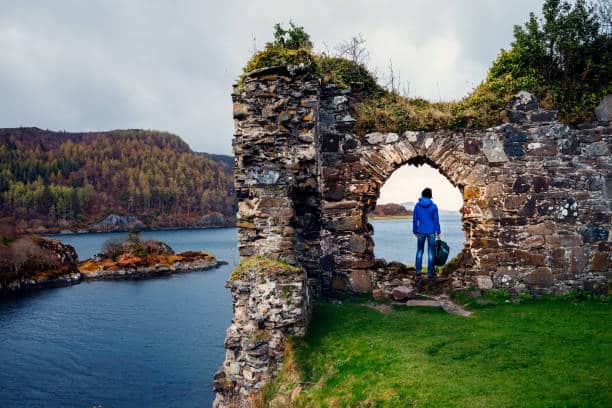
{"x": 431, "y": 241}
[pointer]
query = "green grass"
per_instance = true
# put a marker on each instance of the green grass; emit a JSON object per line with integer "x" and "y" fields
{"x": 537, "y": 354}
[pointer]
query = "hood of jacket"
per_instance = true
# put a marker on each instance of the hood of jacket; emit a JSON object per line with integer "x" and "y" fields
{"x": 425, "y": 202}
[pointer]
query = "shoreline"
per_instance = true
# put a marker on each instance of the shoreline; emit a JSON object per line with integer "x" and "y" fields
{"x": 25, "y": 286}
{"x": 82, "y": 231}
{"x": 389, "y": 217}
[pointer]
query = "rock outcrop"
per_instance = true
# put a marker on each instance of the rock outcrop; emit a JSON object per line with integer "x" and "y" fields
{"x": 33, "y": 262}
{"x": 115, "y": 222}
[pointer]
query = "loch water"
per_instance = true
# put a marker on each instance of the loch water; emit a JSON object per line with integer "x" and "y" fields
{"x": 153, "y": 343}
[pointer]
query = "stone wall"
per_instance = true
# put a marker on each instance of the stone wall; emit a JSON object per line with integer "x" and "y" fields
{"x": 270, "y": 303}
{"x": 536, "y": 213}
{"x": 536, "y": 210}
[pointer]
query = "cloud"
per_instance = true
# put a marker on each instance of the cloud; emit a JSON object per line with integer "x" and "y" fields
{"x": 111, "y": 64}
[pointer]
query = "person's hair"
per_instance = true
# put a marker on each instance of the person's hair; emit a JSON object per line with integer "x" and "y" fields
{"x": 426, "y": 193}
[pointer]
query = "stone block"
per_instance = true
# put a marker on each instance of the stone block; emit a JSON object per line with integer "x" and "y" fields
{"x": 361, "y": 282}
{"x": 241, "y": 110}
{"x": 346, "y": 223}
{"x": 375, "y": 138}
{"x": 403, "y": 293}
{"x": 495, "y": 189}
{"x": 529, "y": 258}
{"x": 595, "y": 233}
{"x": 514, "y": 202}
{"x": 604, "y": 109}
{"x": 540, "y": 278}
{"x": 522, "y": 184}
{"x": 484, "y": 282}
{"x": 380, "y": 294}
{"x": 601, "y": 262}
{"x": 597, "y": 149}
{"x": 471, "y": 192}
{"x": 357, "y": 244}
{"x": 493, "y": 149}
{"x": 472, "y": 145}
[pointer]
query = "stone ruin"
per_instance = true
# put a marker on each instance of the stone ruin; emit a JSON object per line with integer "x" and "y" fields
{"x": 536, "y": 212}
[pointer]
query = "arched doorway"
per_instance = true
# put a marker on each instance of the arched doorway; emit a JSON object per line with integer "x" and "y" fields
{"x": 392, "y": 218}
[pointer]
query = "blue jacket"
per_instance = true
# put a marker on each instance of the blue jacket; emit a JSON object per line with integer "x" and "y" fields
{"x": 425, "y": 219}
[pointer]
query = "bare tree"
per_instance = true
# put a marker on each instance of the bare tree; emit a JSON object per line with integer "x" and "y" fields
{"x": 354, "y": 49}
{"x": 394, "y": 79}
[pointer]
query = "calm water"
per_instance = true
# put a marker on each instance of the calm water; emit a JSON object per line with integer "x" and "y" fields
{"x": 153, "y": 343}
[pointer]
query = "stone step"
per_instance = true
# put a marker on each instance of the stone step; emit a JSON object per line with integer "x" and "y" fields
{"x": 441, "y": 301}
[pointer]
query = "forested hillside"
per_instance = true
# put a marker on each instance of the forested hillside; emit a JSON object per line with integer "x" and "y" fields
{"x": 57, "y": 180}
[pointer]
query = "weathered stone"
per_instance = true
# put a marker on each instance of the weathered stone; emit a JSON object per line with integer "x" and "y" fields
{"x": 483, "y": 282}
{"x": 241, "y": 110}
{"x": 524, "y": 101}
{"x": 471, "y": 192}
{"x": 375, "y": 138}
{"x": 594, "y": 233}
{"x": 493, "y": 149}
{"x": 380, "y": 294}
{"x": 601, "y": 262}
{"x": 529, "y": 258}
{"x": 347, "y": 223}
{"x": 357, "y": 243}
{"x": 494, "y": 190}
{"x": 391, "y": 138}
{"x": 597, "y": 149}
{"x": 403, "y": 293}
{"x": 361, "y": 281}
{"x": 472, "y": 145}
{"x": 541, "y": 278}
{"x": 514, "y": 202}
{"x": 604, "y": 109}
{"x": 522, "y": 184}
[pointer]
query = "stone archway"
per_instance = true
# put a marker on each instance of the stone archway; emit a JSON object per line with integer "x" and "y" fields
{"x": 349, "y": 237}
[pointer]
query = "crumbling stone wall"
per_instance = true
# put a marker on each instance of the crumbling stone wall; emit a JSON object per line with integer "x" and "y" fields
{"x": 536, "y": 213}
{"x": 536, "y": 192}
{"x": 270, "y": 303}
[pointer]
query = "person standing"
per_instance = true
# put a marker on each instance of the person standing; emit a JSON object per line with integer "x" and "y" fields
{"x": 425, "y": 227}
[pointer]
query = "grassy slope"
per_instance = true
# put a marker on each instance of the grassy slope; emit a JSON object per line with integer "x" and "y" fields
{"x": 539, "y": 354}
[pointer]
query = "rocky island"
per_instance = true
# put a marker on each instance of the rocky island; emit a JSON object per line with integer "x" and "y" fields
{"x": 135, "y": 259}
{"x": 391, "y": 210}
{"x": 34, "y": 262}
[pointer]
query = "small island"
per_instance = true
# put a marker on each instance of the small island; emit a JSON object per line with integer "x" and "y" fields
{"x": 34, "y": 262}
{"x": 133, "y": 258}
{"x": 389, "y": 211}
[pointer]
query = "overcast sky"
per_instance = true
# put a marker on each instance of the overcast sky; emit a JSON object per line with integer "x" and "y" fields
{"x": 169, "y": 65}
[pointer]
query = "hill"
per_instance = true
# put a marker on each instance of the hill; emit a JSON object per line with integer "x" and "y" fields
{"x": 52, "y": 181}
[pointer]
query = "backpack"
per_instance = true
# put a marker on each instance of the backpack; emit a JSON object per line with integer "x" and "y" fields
{"x": 440, "y": 252}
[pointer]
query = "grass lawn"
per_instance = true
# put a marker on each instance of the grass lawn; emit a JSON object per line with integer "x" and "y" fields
{"x": 540, "y": 354}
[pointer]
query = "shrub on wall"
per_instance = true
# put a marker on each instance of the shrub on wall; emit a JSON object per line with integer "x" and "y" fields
{"x": 564, "y": 58}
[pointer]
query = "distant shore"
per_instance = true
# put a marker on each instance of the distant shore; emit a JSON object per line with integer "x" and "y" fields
{"x": 389, "y": 217}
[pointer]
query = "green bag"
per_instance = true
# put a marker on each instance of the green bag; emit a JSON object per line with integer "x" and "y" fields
{"x": 440, "y": 252}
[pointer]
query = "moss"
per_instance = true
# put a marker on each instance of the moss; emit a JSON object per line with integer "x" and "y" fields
{"x": 261, "y": 266}
{"x": 344, "y": 72}
{"x": 277, "y": 56}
